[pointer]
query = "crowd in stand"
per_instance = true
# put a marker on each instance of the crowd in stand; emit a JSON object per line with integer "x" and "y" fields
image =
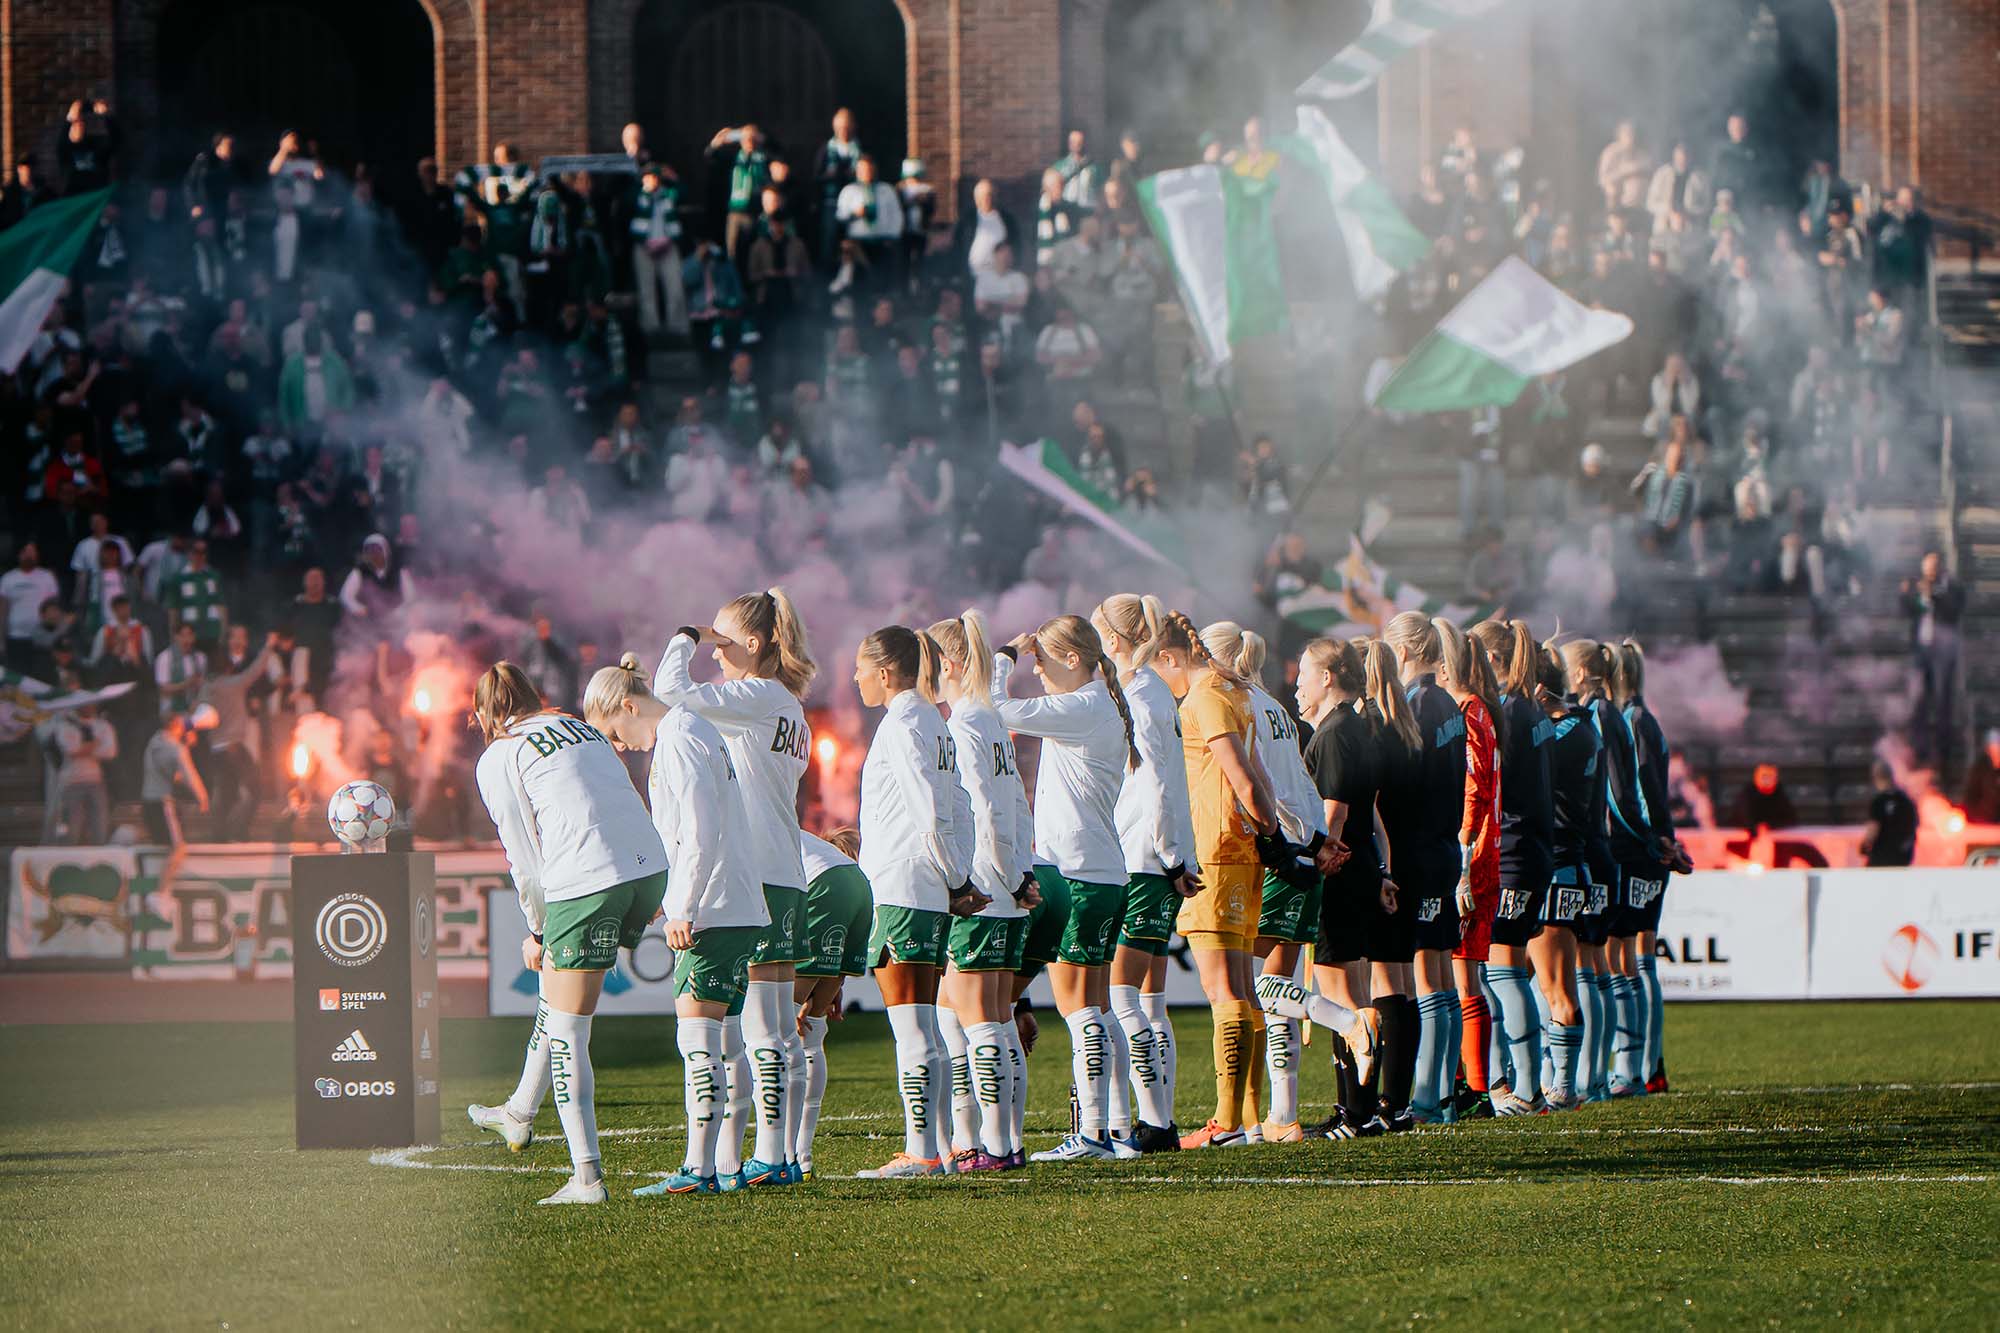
{"x": 1775, "y": 366}
{"x": 223, "y": 431}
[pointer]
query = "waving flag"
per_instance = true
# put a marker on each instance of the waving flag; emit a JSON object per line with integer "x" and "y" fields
{"x": 1380, "y": 241}
{"x": 1215, "y": 225}
{"x": 1359, "y": 596}
{"x": 36, "y": 255}
{"x": 1044, "y": 466}
{"x": 1394, "y": 27}
{"x": 1512, "y": 327}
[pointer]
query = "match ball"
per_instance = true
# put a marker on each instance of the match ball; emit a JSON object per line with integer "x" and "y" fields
{"x": 359, "y": 813}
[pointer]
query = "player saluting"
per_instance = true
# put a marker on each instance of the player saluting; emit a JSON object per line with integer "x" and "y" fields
{"x": 591, "y": 871}
{"x": 714, "y": 906}
{"x": 1156, "y": 830}
{"x": 977, "y": 1012}
{"x": 760, "y": 645}
{"x": 911, "y": 853}
{"x": 1086, "y": 730}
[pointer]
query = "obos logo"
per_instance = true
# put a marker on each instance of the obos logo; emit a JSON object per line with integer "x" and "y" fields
{"x": 424, "y": 930}
{"x": 330, "y": 1088}
{"x": 351, "y": 930}
{"x": 1910, "y": 957}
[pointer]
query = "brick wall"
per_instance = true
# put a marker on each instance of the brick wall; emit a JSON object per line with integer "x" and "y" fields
{"x": 55, "y": 51}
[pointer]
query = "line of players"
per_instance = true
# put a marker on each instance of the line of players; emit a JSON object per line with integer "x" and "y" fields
{"x": 1474, "y": 830}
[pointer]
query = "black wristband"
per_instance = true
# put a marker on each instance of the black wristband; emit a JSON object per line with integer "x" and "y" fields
{"x": 1176, "y": 871}
{"x": 1318, "y": 841}
{"x": 1023, "y": 1006}
{"x": 691, "y": 632}
{"x": 538, "y": 938}
{"x": 1009, "y": 651}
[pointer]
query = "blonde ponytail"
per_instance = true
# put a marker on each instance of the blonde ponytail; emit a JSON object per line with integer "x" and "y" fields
{"x": 966, "y": 642}
{"x": 1385, "y": 691}
{"x": 1243, "y": 649}
{"x": 785, "y": 656}
{"x": 1411, "y": 635}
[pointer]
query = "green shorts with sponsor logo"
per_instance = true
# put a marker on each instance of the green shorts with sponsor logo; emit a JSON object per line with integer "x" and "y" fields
{"x": 1095, "y": 913}
{"x": 985, "y": 943}
{"x": 1150, "y": 904}
{"x": 1291, "y": 907}
{"x": 839, "y": 914}
{"x": 909, "y": 935}
{"x": 585, "y": 934}
{"x": 1041, "y": 938}
{"x": 784, "y": 940}
{"x": 717, "y": 968}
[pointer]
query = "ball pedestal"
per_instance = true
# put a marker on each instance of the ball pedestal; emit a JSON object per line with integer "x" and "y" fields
{"x": 365, "y": 1000}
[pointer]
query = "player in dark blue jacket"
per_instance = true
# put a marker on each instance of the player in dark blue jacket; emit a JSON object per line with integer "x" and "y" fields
{"x": 1575, "y": 781}
{"x": 1646, "y": 888}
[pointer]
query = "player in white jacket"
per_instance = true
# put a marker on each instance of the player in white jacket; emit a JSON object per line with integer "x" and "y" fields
{"x": 988, "y": 1065}
{"x": 1156, "y": 830}
{"x": 760, "y": 645}
{"x": 714, "y": 906}
{"x": 916, "y": 855}
{"x": 1086, "y": 734}
{"x": 1289, "y": 918}
{"x": 591, "y": 872}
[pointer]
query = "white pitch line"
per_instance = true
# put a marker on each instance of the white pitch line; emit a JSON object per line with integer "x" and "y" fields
{"x": 1848, "y": 1089}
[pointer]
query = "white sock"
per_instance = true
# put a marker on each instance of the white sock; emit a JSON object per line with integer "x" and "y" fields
{"x": 1018, "y": 1112}
{"x": 764, "y": 1011}
{"x": 1166, "y": 1053}
{"x": 795, "y": 1083}
{"x": 1119, "y": 1092}
{"x": 1148, "y": 1084}
{"x": 729, "y": 1148}
{"x": 1090, "y": 1067}
{"x": 1287, "y": 998}
{"x": 992, "y": 1073}
{"x": 706, "y": 1086}
{"x": 913, "y": 1076}
{"x": 814, "y": 1042}
{"x": 938, "y": 1086}
{"x": 1281, "y": 1062}
{"x": 534, "y": 1084}
{"x": 575, "y": 1089}
{"x": 964, "y": 1112}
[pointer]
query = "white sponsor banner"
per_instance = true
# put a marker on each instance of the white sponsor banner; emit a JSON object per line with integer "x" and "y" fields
{"x": 642, "y": 983}
{"x": 1728, "y": 935}
{"x": 1896, "y": 934}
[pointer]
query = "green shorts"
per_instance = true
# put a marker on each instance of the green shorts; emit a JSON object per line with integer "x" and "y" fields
{"x": 1150, "y": 903}
{"x": 909, "y": 935}
{"x": 1017, "y": 943}
{"x": 1291, "y": 907}
{"x": 984, "y": 943}
{"x": 1095, "y": 913}
{"x": 717, "y": 968}
{"x": 784, "y": 940}
{"x": 839, "y": 913}
{"x": 1041, "y": 940}
{"x": 585, "y": 934}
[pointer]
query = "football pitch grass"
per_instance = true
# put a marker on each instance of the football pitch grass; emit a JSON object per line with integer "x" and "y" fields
{"x": 1813, "y": 1163}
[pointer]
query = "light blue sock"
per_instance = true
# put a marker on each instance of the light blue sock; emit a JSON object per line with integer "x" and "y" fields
{"x": 1499, "y": 1058}
{"x": 1517, "y": 1024}
{"x": 1629, "y": 1043}
{"x": 1588, "y": 1000}
{"x": 1546, "y": 1020}
{"x": 1607, "y": 1031}
{"x": 1653, "y": 1007}
{"x": 1564, "y": 1044}
{"x": 1431, "y": 1034}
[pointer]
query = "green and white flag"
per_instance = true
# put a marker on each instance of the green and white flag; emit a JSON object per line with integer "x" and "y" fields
{"x": 1359, "y": 596}
{"x": 24, "y": 701}
{"x": 1216, "y": 227}
{"x": 1394, "y": 27}
{"x": 1044, "y": 466}
{"x": 1380, "y": 241}
{"x": 1512, "y": 327}
{"x": 36, "y": 255}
